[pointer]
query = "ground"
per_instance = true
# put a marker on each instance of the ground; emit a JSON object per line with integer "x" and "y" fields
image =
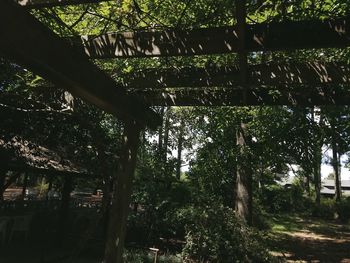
{"x": 300, "y": 239}
{"x": 292, "y": 239}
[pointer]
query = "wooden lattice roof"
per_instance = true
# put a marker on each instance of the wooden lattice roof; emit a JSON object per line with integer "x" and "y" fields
{"x": 65, "y": 61}
{"x": 30, "y": 43}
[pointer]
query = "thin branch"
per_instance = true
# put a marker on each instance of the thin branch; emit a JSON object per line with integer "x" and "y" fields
{"x": 79, "y": 19}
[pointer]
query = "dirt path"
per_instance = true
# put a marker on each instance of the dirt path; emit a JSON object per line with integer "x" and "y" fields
{"x": 312, "y": 241}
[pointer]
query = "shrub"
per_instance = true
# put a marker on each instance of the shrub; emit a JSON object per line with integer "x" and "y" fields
{"x": 343, "y": 209}
{"x": 144, "y": 256}
{"x": 260, "y": 217}
{"x": 326, "y": 209}
{"x": 277, "y": 198}
{"x": 215, "y": 235}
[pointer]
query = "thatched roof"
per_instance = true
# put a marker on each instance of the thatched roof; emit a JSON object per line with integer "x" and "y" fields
{"x": 21, "y": 153}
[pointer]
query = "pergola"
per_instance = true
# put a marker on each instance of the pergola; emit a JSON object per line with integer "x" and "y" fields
{"x": 66, "y": 63}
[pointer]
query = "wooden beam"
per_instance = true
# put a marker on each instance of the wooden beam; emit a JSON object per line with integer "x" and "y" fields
{"x": 33, "y": 45}
{"x": 313, "y": 73}
{"x": 260, "y": 37}
{"x": 305, "y": 96}
{"x": 36, "y": 4}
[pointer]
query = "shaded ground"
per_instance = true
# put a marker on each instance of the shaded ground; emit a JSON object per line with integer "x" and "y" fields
{"x": 295, "y": 239}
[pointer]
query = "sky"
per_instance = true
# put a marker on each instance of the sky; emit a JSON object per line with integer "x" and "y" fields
{"x": 326, "y": 169}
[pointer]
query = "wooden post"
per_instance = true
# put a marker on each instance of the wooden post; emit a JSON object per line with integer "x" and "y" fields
{"x": 244, "y": 179}
{"x": 2, "y": 183}
{"x": 64, "y": 210}
{"x": 122, "y": 194}
{"x": 25, "y": 184}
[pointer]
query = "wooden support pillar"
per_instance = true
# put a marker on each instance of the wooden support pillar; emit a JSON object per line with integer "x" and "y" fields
{"x": 50, "y": 181}
{"x": 2, "y": 183}
{"x": 64, "y": 210}
{"x": 25, "y": 184}
{"x": 122, "y": 194}
{"x": 244, "y": 179}
{"x": 3, "y": 171}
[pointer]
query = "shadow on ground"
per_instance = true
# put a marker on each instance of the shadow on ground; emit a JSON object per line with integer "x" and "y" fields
{"x": 294, "y": 239}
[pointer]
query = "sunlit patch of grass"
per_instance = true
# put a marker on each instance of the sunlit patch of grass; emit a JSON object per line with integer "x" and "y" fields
{"x": 285, "y": 223}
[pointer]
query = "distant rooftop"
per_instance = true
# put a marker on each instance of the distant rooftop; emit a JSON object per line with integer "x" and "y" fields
{"x": 344, "y": 183}
{"x": 329, "y": 189}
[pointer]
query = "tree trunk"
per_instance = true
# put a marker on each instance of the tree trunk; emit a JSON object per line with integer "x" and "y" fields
{"x": 317, "y": 174}
{"x": 317, "y": 157}
{"x": 179, "y": 150}
{"x": 244, "y": 182}
{"x": 166, "y": 135}
{"x": 307, "y": 182}
{"x": 160, "y": 132}
{"x": 335, "y": 164}
{"x": 122, "y": 194}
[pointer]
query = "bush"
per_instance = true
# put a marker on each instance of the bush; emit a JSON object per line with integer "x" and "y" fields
{"x": 277, "y": 198}
{"x": 143, "y": 256}
{"x": 260, "y": 217}
{"x": 326, "y": 209}
{"x": 343, "y": 209}
{"x": 215, "y": 235}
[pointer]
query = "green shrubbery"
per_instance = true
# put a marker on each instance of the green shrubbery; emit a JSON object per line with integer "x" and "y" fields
{"x": 343, "y": 209}
{"x": 330, "y": 209}
{"x": 143, "y": 256}
{"x": 325, "y": 210}
{"x": 215, "y": 235}
{"x": 277, "y": 198}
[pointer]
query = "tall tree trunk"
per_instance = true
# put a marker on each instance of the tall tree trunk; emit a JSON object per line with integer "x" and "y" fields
{"x": 307, "y": 182}
{"x": 122, "y": 194}
{"x": 317, "y": 155}
{"x": 160, "y": 132}
{"x": 335, "y": 164}
{"x": 166, "y": 135}
{"x": 317, "y": 174}
{"x": 244, "y": 181}
{"x": 179, "y": 150}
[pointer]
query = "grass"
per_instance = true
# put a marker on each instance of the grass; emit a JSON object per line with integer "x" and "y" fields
{"x": 284, "y": 223}
{"x": 144, "y": 256}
